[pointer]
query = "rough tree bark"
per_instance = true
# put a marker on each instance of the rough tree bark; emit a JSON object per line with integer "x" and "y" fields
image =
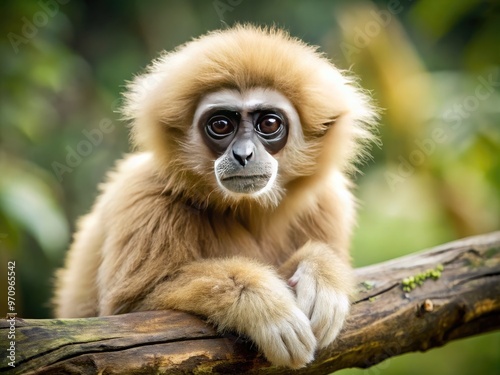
{"x": 386, "y": 321}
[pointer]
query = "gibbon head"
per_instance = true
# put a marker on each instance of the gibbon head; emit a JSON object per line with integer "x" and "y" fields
{"x": 245, "y": 113}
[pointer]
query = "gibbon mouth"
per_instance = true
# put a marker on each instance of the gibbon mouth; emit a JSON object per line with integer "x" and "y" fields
{"x": 251, "y": 177}
{"x": 246, "y": 184}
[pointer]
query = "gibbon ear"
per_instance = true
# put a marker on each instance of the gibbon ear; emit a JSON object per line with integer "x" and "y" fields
{"x": 321, "y": 131}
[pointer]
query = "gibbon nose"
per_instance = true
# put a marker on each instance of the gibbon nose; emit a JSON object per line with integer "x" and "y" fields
{"x": 243, "y": 152}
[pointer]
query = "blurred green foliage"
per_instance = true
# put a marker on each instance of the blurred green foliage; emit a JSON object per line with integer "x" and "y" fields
{"x": 434, "y": 68}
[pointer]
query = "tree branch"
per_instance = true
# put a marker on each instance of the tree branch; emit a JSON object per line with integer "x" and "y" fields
{"x": 385, "y": 321}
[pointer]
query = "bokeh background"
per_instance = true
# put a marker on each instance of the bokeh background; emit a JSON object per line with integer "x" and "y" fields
{"x": 433, "y": 66}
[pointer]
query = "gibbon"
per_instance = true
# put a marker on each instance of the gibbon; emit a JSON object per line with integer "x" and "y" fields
{"x": 237, "y": 204}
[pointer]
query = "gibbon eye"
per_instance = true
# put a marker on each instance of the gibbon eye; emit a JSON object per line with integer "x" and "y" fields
{"x": 219, "y": 127}
{"x": 269, "y": 125}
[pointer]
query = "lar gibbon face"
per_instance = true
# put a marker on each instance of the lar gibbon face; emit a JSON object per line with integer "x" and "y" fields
{"x": 246, "y": 131}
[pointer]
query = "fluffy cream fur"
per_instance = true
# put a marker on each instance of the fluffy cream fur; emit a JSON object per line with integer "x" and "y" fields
{"x": 162, "y": 235}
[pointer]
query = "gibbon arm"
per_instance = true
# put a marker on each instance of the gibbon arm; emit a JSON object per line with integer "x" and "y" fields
{"x": 245, "y": 296}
